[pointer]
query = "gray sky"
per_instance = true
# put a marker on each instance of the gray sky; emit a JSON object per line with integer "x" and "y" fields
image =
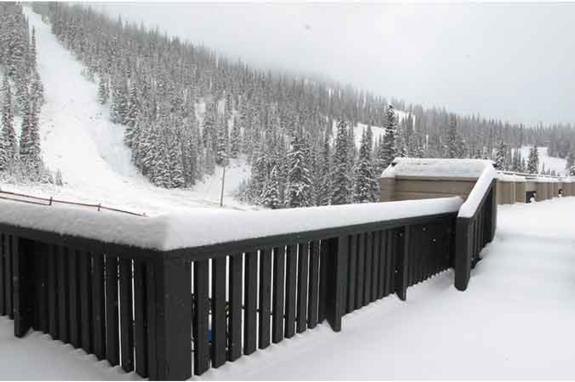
{"x": 508, "y": 61}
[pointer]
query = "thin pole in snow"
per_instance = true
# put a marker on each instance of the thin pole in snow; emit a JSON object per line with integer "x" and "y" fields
{"x": 223, "y": 182}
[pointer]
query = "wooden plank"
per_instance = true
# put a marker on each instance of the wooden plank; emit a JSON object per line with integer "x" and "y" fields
{"x": 98, "y": 306}
{"x": 236, "y": 293}
{"x": 2, "y": 280}
{"x": 52, "y": 257}
{"x": 219, "y": 327}
{"x": 85, "y": 298}
{"x": 338, "y": 250}
{"x": 382, "y": 264}
{"x": 151, "y": 319}
{"x": 368, "y": 264}
{"x": 10, "y": 243}
{"x": 375, "y": 266}
{"x": 251, "y": 301}
{"x": 313, "y": 284}
{"x": 291, "y": 287}
{"x": 302, "y": 286}
{"x": 201, "y": 317}
{"x": 352, "y": 274}
{"x": 265, "y": 298}
{"x": 278, "y": 295}
{"x": 140, "y": 319}
{"x": 126, "y": 315}
{"x": 403, "y": 261}
{"x": 74, "y": 294}
{"x": 359, "y": 291}
{"x": 323, "y": 279}
{"x": 41, "y": 254}
{"x": 62, "y": 295}
{"x": 22, "y": 261}
{"x": 112, "y": 329}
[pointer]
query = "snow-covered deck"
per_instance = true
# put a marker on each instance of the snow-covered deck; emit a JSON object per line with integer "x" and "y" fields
{"x": 514, "y": 321}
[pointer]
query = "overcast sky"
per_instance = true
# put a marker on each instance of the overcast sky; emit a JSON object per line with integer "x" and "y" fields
{"x": 508, "y": 61}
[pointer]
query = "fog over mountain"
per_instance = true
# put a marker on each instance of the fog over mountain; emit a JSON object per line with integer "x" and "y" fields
{"x": 508, "y": 61}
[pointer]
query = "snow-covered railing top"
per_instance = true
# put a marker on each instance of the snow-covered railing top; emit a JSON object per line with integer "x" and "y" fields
{"x": 436, "y": 168}
{"x": 204, "y": 227}
{"x": 477, "y": 194}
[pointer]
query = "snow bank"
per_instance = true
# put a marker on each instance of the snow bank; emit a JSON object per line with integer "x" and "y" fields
{"x": 210, "y": 226}
{"x": 474, "y": 198}
{"x": 435, "y": 167}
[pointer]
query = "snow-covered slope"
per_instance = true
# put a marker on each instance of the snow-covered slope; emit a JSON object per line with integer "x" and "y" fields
{"x": 550, "y": 163}
{"x": 79, "y": 140}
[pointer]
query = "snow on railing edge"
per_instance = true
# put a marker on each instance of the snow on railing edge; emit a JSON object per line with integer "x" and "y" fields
{"x": 205, "y": 226}
{"x": 471, "y": 204}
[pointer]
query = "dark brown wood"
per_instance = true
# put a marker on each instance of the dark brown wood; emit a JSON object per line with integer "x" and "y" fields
{"x": 236, "y": 293}
{"x": 85, "y": 299}
{"x": 219, "y": 327}
{"x": 368, "y": 271}
{"x": 291, "y": 287}
{"x": 265, "y": 298}
{"x": 22, "y": 256}
{"x": 98, "y": 306}
{"x": 11, "y": 251}
{"x": 140, "y": 319}
{"x": 63, "y": 287}
{"x": 302, "y": 286}
{"x": 201, "y": 317}
{"x": 278, "y": 294}
{"x": 251, "y": 300}
{"x": 112, "y": 327}
{"x": 52, "y": 285}
{"x": 313, "y": 284}
{"x": 352, "y": 273}
{"x": 375, "y": 266}
{"x": 152, "y": 284}
{"x": 74, "y": 296}
{"x": 338, "y": 254}
{"x": 126, "y": 315}
{"x": 3, "y": 237}
{"x": 403, "y": 262}
{"x": 360, "y": 285}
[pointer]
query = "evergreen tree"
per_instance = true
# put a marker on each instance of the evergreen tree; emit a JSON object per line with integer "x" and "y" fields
{"x": 271, "y": 193}
{"x": 388, "y": 151}
{"x": 341, "y": 167}
{"x": 533, "y": 161}
{"x": 30, "y": 140}
{"x": 102, "y": 91}
{"x": 500, "y": 158}
{"x": 452, "y": 145}
{"x": 299, "y": 183}
{"x": 8, "y": 143}
{"x": 365, "y": 189}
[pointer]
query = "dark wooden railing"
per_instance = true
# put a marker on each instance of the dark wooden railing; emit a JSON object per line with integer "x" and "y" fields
{"x": 171, "y": 314}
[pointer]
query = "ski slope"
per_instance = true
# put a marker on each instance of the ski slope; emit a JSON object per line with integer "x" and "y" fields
{"x": 79, "y": 140}
{"x": 550, "y": 163}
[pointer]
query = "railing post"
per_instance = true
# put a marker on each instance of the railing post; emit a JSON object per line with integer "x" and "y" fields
{"x": 335, "y": 273}
{"x": 22, "y": 285}
{"x": 173, "y": 319}
{"x": 402, "y": 264}
{"x": 463, "y": 252}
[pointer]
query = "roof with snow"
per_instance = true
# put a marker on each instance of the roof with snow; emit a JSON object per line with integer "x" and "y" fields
{"x": 434, "y": 167}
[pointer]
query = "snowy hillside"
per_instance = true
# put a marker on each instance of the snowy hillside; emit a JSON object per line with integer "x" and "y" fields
{"x": 79, "y": 140}
{"x": 550, "y": 163}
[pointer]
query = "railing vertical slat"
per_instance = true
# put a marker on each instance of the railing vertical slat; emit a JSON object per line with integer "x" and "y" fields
{"x": 375, "y": 266}
{"x": 10, "y": 243}
{"x": 126, "y": 315}
{"x": 219, "y": 335}
{"x": 151, "y": 319}
{"x": 265, "y": 297}
{"x": 201, "y": 317}
{"x": 360, "y": 279}
{"x": 236, "y": 293}
{"x": 63, "y": 285}
{"x": 352, "y": 274}
{"x": 368, "y": 265}
{"x": 278, "y": 294}
{"x": 313, "y": 284}
{"x": 98, "y": 306}
{"x": 22, "y": 257}
{"x": 403, "y": 250}
{"x": 112, "y": 329}
{"x": 2, "y": 279}
{"x": 291, "y": 286}
{"x": 85, "y": 266}
{"x": 302, "y": 286}
{"x": 53, "y": 292}
{"x": 251, "y": 300}
{"x": 140, "y": 319}
{"x": 74, "y": 296}
{"x": 41, "y": 254}
{"x": 382, "y": 265}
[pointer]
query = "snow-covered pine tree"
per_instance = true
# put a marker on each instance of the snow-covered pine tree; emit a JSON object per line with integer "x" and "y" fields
{"x": 451, "y": 146}
{"x": 102, "y": 90}
{"x": 299, "y": 183}
{"x": 365, "y": 187}
{"x": 533, "y": 161}
{"x": 30, "y": 141}
{"x": 235, "y": 139}
{"x": 500, "y": 159}
{"x": 341, "y": 183}
{"x": 570, "y": 162}
{"x": 133, "y": 108}
{"x": 323, "y": 192}
{"x": 119, "y": 101}
{"x": 222, "y": 141}
{"x": 8, "y": 142}
{"x": 271, "y": 194}
{"x": 388, "y": 150}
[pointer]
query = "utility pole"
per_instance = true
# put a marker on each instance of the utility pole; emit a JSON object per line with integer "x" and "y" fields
{"x": 223, "y": 182}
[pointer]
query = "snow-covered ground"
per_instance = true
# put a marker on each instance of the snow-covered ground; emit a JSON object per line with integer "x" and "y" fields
{"x": 550, "y": 163}
{"x": 79, "y": 140}
{"x": 515, "y": 321}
